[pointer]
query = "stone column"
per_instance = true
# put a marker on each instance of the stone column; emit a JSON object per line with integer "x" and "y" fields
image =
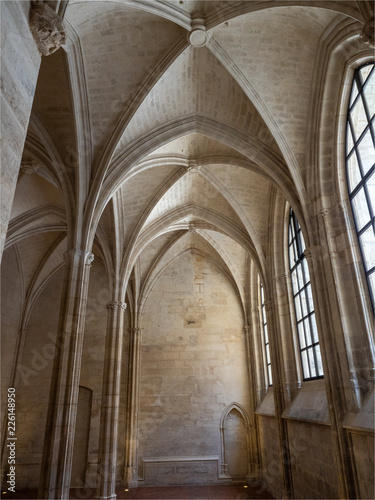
{"x": 284, "y": 299}
{"x": 62, "y": 409}
{"x": 279, "y": 393}
{"x": 110, "y": 401}
{"x": 131, "y": 467}
{"x": 27, "y": 31}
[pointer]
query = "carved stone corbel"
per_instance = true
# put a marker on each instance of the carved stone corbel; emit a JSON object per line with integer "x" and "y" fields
{"x": 368, "y": 33}
{"x": 116, "y": 305}
{"x": 47, "y": 28}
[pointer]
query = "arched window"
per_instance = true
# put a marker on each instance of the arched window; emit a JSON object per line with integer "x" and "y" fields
{"x": 360, "y": 165}
{"x": 265, "y": 337}
{"x": 311, "y": 359}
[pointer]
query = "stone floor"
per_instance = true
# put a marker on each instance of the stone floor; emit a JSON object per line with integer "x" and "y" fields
{"x": 237, "y": 492}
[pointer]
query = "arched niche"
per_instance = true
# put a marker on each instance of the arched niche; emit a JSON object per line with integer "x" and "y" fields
{"x": 235, "y": 449}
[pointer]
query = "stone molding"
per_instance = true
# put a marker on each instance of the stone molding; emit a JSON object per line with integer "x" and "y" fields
{"x": 47, "y": 28}
{"x": 368, "y": 33}
{"x": 115, "y": 305}
{"x": 246, "y": 329}
{"x": 136, "y": 331}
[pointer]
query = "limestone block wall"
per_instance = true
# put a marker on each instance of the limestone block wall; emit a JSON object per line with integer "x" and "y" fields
{"x": 20, "y": 61}
{"x": 271, "y": 467}
{"x": 193, "y": 366}
{"x": 34, "y": 379}
{"x": 363, "y": 447}
{"x": 313, "y": 464}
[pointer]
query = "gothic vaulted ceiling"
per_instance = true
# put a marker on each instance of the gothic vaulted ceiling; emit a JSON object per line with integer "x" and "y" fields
{"x": 169, "y": 125}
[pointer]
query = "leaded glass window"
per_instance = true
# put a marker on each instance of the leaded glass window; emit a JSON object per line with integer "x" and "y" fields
{"x": 265, "y": 337}
{"x": 360, "y": 165}
{"x": 311, "y": 358}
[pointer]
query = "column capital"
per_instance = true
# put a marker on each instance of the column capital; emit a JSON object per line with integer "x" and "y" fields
{"x": 46, "y": 27}
{"x": 246, "y": 329}
{"x": 136, "y": 331}
{"x": 114, "y": 305}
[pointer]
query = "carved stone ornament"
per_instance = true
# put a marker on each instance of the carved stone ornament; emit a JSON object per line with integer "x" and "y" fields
{"x": 89, "y": 258}
{"x": 116, "y": 305}
{"x": 47, "y": 28}
{"x": 368, "y": 33}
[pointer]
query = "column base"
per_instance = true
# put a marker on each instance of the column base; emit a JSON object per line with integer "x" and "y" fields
{"x": 112, "y": 497}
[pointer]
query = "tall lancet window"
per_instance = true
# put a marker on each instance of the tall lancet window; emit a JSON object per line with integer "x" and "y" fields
{"x": 360, "y": 165}
{"x": 311, "y": 358}
{"x": 265, "y": 337}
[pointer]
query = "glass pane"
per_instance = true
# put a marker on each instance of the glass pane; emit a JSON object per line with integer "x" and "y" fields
{"x": 319, "y": 363}
{"x": 354, "y": 93}
{"x": 305, "y": 365}
{"x": 303, "y": 245}
{"x": 309, "y": 295}
{"x": 297, "y": 303}
{"x": 306, "y": 270}
{"x": 314, "y": 328}
{"x": 360, "y": 208}
{"x": 265, "y": 334}
{"x": 371, "y": 191}
{"x": 291, "y": 231}
{"x": 369, "y": 93}
{"x": 349, "y": 140}
{"x": 261, "y": 294}
{"x": 307, "y": 331}
{"x": 291, "y": 256}
{"x": 365, "y": 71}
{"x": 301, "y": 336}
{"x": 300, "y": 276}
{"x": 312, "y": 362}
{"x": 294, "y": 282}
{"x": 359, "y": 118}
{"x": 354, "y": 174}
{"x": 304, "y": 303}
{"x": 268, "y": 354}
{"x": 366, "y": 152}
{"x": 367, "y": 240}
{"x": 270, "y": 375}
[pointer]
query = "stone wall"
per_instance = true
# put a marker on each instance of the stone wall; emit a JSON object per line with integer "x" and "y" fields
{"x": 270, "y": 455}
{"x": 193, "y": 365}
{"x": 34, "y": 378}
{"x": 313, "y": 464}
{"x": 20, "y": 61}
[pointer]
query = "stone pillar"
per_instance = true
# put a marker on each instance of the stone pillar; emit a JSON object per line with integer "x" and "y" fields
{"x": 284, "y": 299}
{"x": 131, "y": 467}
{"x": 279, "y": 393}
{"x": 333, "y": 373}
{"x": 110, "y": 401}
{"x": 62, "y": 409}
{"x": 21, "y": 21}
